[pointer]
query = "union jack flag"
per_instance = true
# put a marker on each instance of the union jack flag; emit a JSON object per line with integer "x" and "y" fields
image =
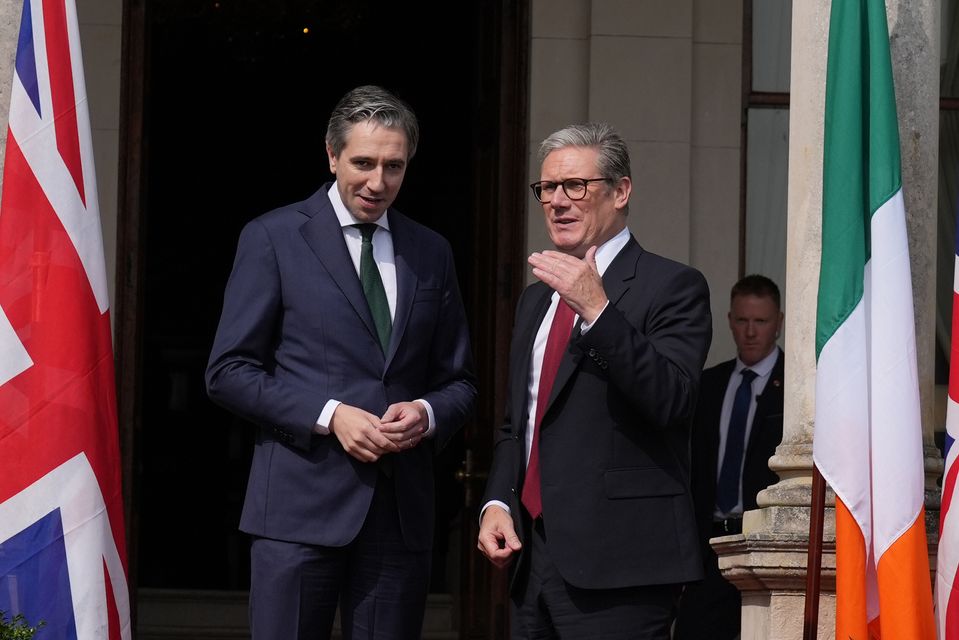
{"x": 62, "y": 550}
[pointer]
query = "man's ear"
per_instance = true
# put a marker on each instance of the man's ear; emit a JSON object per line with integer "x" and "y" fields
{"x": 331, "y": 157}
{"x": 623, "y": 187}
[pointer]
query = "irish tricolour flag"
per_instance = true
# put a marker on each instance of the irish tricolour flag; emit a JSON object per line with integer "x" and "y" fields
{"x": 868, "y": 440}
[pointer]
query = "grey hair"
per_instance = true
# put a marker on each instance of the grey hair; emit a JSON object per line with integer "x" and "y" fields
{"x": 613, "y": 160}
{"x": 370, "y": 103}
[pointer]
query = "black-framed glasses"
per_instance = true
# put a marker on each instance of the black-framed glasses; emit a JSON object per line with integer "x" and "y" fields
{"x": 574, "y": 188}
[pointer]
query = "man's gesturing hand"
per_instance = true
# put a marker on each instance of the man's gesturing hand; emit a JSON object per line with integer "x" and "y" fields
{"x": 577, "y": 281}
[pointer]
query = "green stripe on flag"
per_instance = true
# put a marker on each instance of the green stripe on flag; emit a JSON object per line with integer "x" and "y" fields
{"x": 861, "y": 154}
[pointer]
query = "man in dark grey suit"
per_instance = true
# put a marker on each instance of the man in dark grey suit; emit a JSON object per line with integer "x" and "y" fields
{"x": 343, "y": 338}
{"x": 730, "y": 463}
{"x": 588, "y": 496}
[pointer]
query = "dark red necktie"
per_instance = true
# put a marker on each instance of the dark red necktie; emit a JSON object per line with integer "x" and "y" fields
{"x": 555, "y": 347}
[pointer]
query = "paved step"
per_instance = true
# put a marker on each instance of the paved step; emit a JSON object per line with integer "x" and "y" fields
{"x": 166, "y": 614}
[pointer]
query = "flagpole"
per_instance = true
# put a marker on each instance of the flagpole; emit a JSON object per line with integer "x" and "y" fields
{"x": 817, "y": 508}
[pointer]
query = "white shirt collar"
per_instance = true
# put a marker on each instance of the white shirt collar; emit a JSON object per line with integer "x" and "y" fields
{"x": 343, "y": 215}
{"x": 762, "y": 368}
{"x": 610, "y": 249}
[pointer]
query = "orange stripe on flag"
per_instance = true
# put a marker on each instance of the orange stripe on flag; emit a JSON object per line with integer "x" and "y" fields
{"x": 850, "y": 577}
{"x": 905, "y": 599}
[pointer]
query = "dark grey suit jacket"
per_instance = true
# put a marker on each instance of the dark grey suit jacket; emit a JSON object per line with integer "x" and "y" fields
{"x": 614, "y": 443}
{"x": 296, "y": 331}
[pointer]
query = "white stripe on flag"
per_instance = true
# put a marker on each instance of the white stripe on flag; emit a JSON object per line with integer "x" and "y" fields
{"x": 14, "y": 358}
{"x": 898, "y": 488}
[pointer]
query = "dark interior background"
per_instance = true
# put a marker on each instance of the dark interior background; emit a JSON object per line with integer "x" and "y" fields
{"x": 238, "y": 94}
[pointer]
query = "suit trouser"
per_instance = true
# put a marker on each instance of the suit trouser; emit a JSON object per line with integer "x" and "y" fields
{"x": 545, "y": 606}
{"x": 379, "y": 585}
{"x": 711, "y": 609}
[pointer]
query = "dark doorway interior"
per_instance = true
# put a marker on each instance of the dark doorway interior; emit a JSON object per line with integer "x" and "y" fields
{"x": 238, "y": 94}
{"x": 224, "y": 109}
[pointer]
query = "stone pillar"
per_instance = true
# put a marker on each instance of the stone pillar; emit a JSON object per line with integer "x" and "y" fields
{"x": 767, "y": 562}
{"x": 914, "y": 32}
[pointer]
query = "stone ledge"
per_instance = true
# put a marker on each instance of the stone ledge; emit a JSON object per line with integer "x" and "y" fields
{"x": 771, "y": 562}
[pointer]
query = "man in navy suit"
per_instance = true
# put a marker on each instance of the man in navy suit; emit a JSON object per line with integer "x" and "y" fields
{"x": 588, "y": 497}
{"x": 711, "y": 610}
{"x": 343, "y": 338}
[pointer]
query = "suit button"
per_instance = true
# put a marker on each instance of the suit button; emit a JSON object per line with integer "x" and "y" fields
{"x": 592, "y": 353}
{"x": 512, "y": 490}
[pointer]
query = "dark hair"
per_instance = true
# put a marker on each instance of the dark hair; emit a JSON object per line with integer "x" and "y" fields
{"x": 613, "y": 160}
{"x": 756, "y": 285}
{"x": 370, "y": 103}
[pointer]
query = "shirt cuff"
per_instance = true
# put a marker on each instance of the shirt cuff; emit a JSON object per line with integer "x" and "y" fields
{"x": 493, "y": 503}
{"x": 429, "y": 412}
{"x": 586, "y": 326}
{"x": 322, "y": 425}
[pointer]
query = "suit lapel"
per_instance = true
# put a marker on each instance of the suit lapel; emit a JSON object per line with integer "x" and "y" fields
{"x": 621, "y": 272}
{"x": 567, "y": 366}
{"x": 771, "y": 396}
{"x": 406, "y": 253}
{"x": 324, "y": 236}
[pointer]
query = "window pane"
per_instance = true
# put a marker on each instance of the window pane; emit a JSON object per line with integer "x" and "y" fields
{"x": 767, "y": 160}
{"x": 772, "y": 26}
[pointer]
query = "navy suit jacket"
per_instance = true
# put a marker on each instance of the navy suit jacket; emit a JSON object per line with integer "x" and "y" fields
{"x": 296, "y": 331}
{"x": 614, "y": 441}
{"x": 764, "y": 436}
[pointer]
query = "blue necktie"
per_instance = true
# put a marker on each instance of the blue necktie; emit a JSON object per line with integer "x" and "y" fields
{"x": 727, "y": 489}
